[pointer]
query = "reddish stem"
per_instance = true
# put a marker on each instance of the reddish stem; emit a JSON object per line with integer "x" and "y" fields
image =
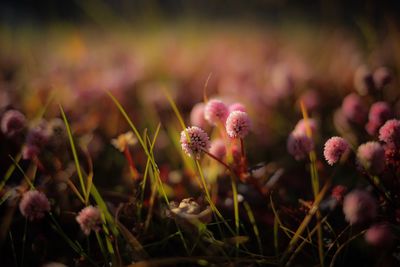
{"x": 134, "y": 172}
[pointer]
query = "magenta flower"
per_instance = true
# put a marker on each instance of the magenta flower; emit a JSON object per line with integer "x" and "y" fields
{"x": 371, "y": 156}
{"x": 237, "y": 107}
{"x": 359, "y": 207}
{"x": 334, "y": 148}
{"x": 378, "y": 114}
{"x": 36, "y": 139}
{"x": 215, "y": 112}
{"x": 302, "y": 125}
{"x": 197, "y": 116}
{"x": 299, "y": 145}
{"x": 198, "y": 141}
{"x": 89, "y": 219}
{"x": 238, "y": 124}
{"x": 13, "y": 123}
{"x": 354, "y": 109}
{"x": 338, "y": 193}
{"x": 34, "y": 205}
{"x": 218, "y": 148}
{"x": 390, "y": 132}
{"x": 379, "y": 235}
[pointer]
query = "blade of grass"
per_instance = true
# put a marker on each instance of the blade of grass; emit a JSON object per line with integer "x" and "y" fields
{"x": 23, "y": 173}
{"x": 253, "y": 222}
{"x": 74, "y": 153}
{"x": 10, "y": 171}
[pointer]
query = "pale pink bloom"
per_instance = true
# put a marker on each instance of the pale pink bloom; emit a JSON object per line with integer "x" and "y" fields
{"x": 216, "y": 112}
{"x": 218, "y": 148}
{"x": 334, "y": 148}
{"x": 359, "y": 207}
{"x": 13, "y": 122}
{"x": 238, "y": 124}
{"x": 197, "y": 116}
{"x": 371, "y": 156}
{"x": 237, "y": 107}
{"x": 379, "y": 235}
{"x": 197, "y": 143}
{"x": 390, "y": 132}
{"x": 354, "y": 109}
{"x": 302, "y": 126}
{"x": 378, "y": 114}
{"x": 299, "y": 145}
{"x": 89, "y": 218}
{"x": 34, "y": 205}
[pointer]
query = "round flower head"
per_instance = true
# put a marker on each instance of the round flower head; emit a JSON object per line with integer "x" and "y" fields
{"x": 34, "y": 205}
{"x": 89, "y": 219}
{"x": 13, "y": 122}
{"x": 197, "y": 115}
{"x": 218, "y": 148}
{"x": 354, "y": 109}
{"x": 338, "y": 193}
{"x": 238, "y": 124}
{"x": 237, "y": 107}
{"x": 215, "y": 112}
{"x": 302, "y": 126}
{"x": 379, "y": 235}
{"x": 359, "y": 207}
{"x": 378, "y": 114}
{"x": 334, "y": 148}
{"x": 363, "y": 81}
{"x": 299, "y": 145}
{"x": 371, "y": 156}
{"x": 390, "y": 132}
{"x": 382, "y": 77}
{"x": 198, "y": 143}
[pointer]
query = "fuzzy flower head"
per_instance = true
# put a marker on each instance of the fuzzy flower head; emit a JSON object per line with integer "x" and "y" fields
{"x": 359, "y": 207}
{"x": 218, "y": 148}
{"x": 34, "y": 205}
{"x": 379, "y": 113}
{"x": 302, "y": 126}
{"x": 354, "y": 109}
{"x": 197, "y": 115}
{"x": 363, "y": 80}
{"x": 299, "y": 145}
{"x": 334, "y": 148}
{"x": 197, "y": 143}
{"x": 379, "y": 235}
{"x": 89, "y": 219}
{"x": 390, "y": 132}
{"x": 215, "y": 112}
{"x": 338, "y": 193}
{"x": 371, "y": 156}
{"x": 238, "y": 124}
{"x": 13, "y": 122}
{"x": 237, "y": 107}
{"x": 123, "y": 141}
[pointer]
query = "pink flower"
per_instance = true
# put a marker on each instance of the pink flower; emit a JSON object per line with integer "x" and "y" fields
{"x": 382, "y": 77}
{"x": 89, "y": 219}
{"x": 197, "y": 115}
{"x": 302, "y": 125}
{"x": 237, "y": 107}
{"x": 371, "y": 156}
{"x": 390, "y": 132}
{"x": 198, "y": 141}
{"x": 218, "y": 148}
{"x": 299, "y": 145}
{"x": 379, "y": 235}
{"x": 354, "y": 109}
{"x": 334, "y": 148}
{"x": 13, "y": 123}
{"x": 238, "y": 124}
{"x": 338, "y": 192}
{"x": 34, "y": 205}
{"x": 215, "y": 112}
{"x": 378, "y": 114}
{"x": 359, "y": 207}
